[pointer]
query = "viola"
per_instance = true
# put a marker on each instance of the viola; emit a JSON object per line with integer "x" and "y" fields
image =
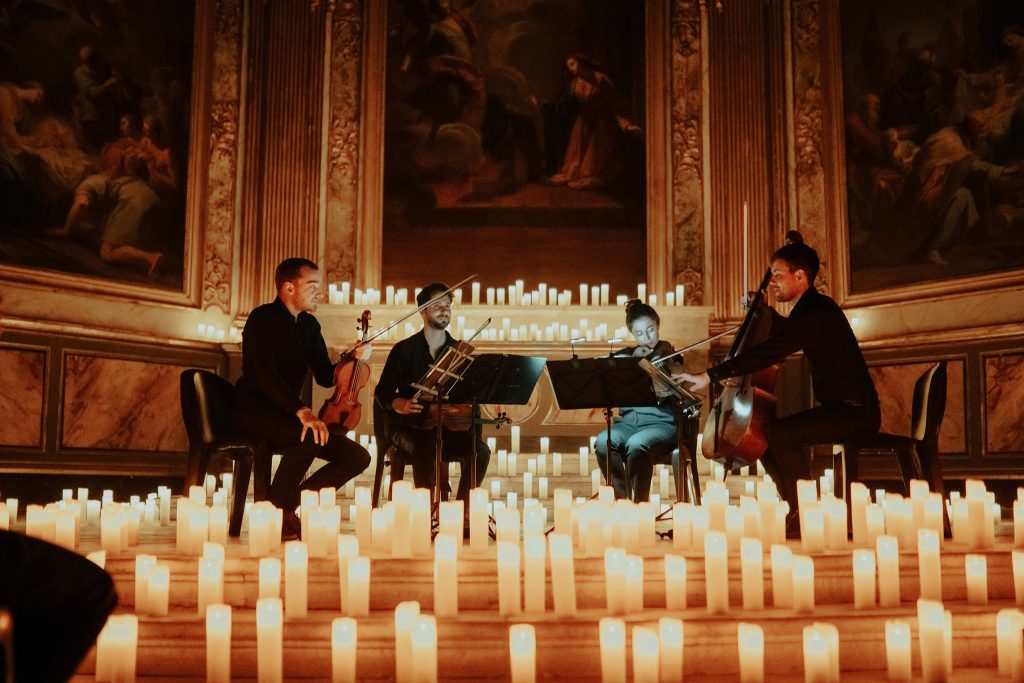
{"x": 350, "y": 376}
{"x": 734, "y": 433}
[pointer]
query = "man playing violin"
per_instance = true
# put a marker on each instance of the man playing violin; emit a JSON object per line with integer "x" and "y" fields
{"x": 842, "y": 384}
{"x": 408, "y": 362}
{"x": 281, "y": 344}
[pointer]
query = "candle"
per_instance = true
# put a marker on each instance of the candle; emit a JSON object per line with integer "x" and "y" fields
{"x": 478, "y": 530}
{"x": 821, "y": 653}
{"x": 270, "y": 577}
{"x": 522, "y": 647}
{"x": 863, "y": 579}
{"x": 143, "y": 567}
{"x": 803, "y": 584}
{"x": 975, "y": 568}
{"x": 975, "y": 494}
{"x": 211, "y": 583}
{"x": 218, "y": 643}
{"x": 357, "y": 596}
{"x": 446, "y": 576}
{"x": 716, "y": 572}
{"x": 584, "y": 464}
{"x": 1010, "y": 643}
{"x": 406, "y": 614}
{"x": 534, "y": 554}
{"x": 1018, "y": 523}
{"x": 344, "y": 639}
{"x": 509, "y": 595}
{"x": 117, "y": 648}
{"x": 646, "y": 656}
{"x": 296, "y": 581}
{"x": 675, "y": 582}
{"x": 613, "y": 650}
{"x": 563, "y": 581}
{"x": 364, "y": 521}
{"x": 605, "y": 294}
{"x": 752, "y": 573}
{"x": 476, "y": 294}
{"x": 527, "y": 485}
{"x": 931, "y": 640}
{"x": 812, "y": 535}
{"x": 269, "y": 640}
{"x": 897, "y": 650}
{"x": 928, "y": 563}
{"x": 887, "y": 552}
{"x": 556, "y": 464}
{"x": 750, "y": 642}
{"x": 1018, "y": 576}
{"x": 670, "y": 634}
{"x": 595, "y": 482}
{"x": 515, "y": 439}
{"x": 634, "y": 574}
{"x": 424, "y": 649}
{"x": 782, "y": 576}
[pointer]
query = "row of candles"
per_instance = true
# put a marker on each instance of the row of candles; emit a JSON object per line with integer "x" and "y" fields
{"x": 514, "y": 294}
{"x": 582, "y": 332}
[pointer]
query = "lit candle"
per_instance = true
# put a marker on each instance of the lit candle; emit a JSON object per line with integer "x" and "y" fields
{"x": 888, "y": 555}
{"x": 270, "y": 577}
{"x": 556, "y": 464}
{"x": 476, "y": 294}
{"x": 542, "y": 487}
{"x": 218, "y": 643}
{"x": 1010, "y": 643}
{"x": 670, "y": 634}
{"x": 296, "y": 579}
{"x": 897, "y": 650}
{"x": 821, "y": 653}
{"x": 595, "y": 482}
{"x": 158, "y": 591}
{"x": 364, "y": 520}
{"x": 752, "y": 573}
{"x": 1018, "y": 523}
{"x": 406, "y": 614}
{"x": 929, "y": 566}
{"x": 613, "y": 650}
{"x": 211, "y": 583}
{"x": 812, "y": 535}
{"x": 522, "y": 647}
{"x": 1018, "y": 576}
{"x": 534, "y": 554}
{"x": 344, "y": 639}
{"x": 646, "y": 657}
{"x": 563, "y": 581}
{"x": 675, "y": 582}
{"x": 975, "y": 568}
{"x": 803, "y": 584}
{"x": 634, "y": 574}
{"x": 424, "y": 649}
{"x": 509, "y": 594}
{"x": 348, "y": 548}
{"x": 605, "y": 294}
{"x": 716, "y": 572}
{"x": 527, "y": 485}
{"x": 584, "y": 458}
{"x": 478, "y": 530}
{"x": 143, "y": 566}
{"x": 750, "y": 642}
{"x": 357, "y": 596}
{"x": 269, "y": 640}
{"x": 515, "y": 439}
{"x": 782, "y": 576}
{"x": 117, "y": 648}
{"x": 931, "y": 640}
{"x": 446, "y": 576}
{"x": 863, "y": 579}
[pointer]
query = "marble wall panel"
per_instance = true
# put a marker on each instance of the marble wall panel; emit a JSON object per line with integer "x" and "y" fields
{"x": 1004, "y": 395}
{"x": 895, "y": 386}
{"x": 21, "y": 397}
{"x": 121, "y": 404}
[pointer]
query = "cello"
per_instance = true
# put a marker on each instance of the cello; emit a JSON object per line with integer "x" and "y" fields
{"x": 350, "y": 376}
{"x": 734, "y": 434}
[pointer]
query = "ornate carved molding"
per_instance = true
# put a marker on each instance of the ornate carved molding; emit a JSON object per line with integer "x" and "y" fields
{"x": 687, "y": 157}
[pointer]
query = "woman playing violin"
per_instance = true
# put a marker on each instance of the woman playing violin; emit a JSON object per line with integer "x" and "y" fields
{"x": 639, "y": 436}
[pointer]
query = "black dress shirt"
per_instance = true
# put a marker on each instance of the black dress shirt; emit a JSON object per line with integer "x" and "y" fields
{"x": 278, "y": 349}
{"x": 819, "y": 328}
{"x": 408, "y": 362}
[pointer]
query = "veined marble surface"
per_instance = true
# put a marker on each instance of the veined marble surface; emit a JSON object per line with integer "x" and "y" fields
{"x": 121, "y": 405}
{"x": 895, "y": 386}
{"x": 1004, "y": 395}
{"x": 22, "y": 373}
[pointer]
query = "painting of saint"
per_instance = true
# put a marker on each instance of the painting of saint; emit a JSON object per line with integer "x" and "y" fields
{"x": 94, "y": 138}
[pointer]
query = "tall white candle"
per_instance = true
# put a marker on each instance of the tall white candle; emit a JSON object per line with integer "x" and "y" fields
{"x": 1010, "y": 643}
{"x": 675, "y": 582}
{"x": 1018, "y": 576}
{"x": 269, "y": 640}
{"x": 821, "y": 653}
{"x": 929, "y": 566}
{"x": 357, "y": 596}
{"x": 670, "y": 634}
{"x": 522, "y": 647}
{"x": 863, "y": 579}
{"x": 931, "y": 640}
{"x": 296, "y": 579}
{"x": 803, "y": 584}
{"x": 406, "y": 614}
{"x": 584, "y": 461}
{"x": 424, "y": 649}
{"x": 446, "y": 576}
{"x": 563, "y": 580}
{"x": 344, "y": 642}
{"x": 534, "y": 555}
{"x": 888, "y": 554}
{"x": 211, "y": 583}
{"x": 750, "y": 642}
{"x": 613, "y": 650}
{"x": 752, "y": 573}
{"x": 269, "y": 577}
{"x": 509, "y": 594}
{"x": 515, "y": 439}
{"x": 143, "y": 566}
{"x": 218, "y": 643}
{"x": 782, "y": 576}
{"x": 897, "y": 650}
{"x": 478, "y": 520}
{"x": 976, "y": 571}
{"x": 646, "y": 656}
{"x": 716, "y": 572}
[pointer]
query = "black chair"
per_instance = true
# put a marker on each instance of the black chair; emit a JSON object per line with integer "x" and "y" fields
{"x": 206, "y": 404}
{"x": 917, "y": 455}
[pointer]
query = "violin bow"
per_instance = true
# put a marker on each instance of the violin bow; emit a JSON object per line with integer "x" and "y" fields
{"x": 417, "y": 310}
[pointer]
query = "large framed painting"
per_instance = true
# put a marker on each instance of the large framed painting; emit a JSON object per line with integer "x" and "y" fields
{"x": 521, "y": 127}
{"x": 933, "y": 112}
{"x": 95, "y": 142}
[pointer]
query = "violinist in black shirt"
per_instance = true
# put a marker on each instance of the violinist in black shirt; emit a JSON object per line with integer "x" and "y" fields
{"x": 281, "y": 344}
{"x": 842, "y": 385}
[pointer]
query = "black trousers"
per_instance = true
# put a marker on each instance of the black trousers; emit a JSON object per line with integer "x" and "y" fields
{"x": 419, "y": 444}
{"x": 788, "y": 438}
{"x": 59, "y": 601}
{"x": 345, "y": 458}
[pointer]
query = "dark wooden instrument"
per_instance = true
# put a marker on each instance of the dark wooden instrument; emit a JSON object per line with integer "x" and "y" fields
{"x": 350, "y": 376}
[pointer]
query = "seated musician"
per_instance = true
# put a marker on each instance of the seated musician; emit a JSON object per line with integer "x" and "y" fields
{"x": 639, "y": 436}
{"x": 408, "y": 362}
{"x": 281, "y": 344}
{"x": 842, "y": 384}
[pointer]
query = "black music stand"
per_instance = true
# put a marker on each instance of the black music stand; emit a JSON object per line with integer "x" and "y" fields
{"x": 610, "y": 382}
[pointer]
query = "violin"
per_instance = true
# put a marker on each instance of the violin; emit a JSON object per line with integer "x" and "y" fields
{"x": 734, "y": 434}
{"x": 350, "y": 376}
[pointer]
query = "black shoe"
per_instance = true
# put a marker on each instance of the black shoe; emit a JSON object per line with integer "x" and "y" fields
{"x": 291, "y": 527}
{"x": 793, "y": 525}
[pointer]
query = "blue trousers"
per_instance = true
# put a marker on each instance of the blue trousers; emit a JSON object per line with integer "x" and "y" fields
{"x": 637, "y": 443}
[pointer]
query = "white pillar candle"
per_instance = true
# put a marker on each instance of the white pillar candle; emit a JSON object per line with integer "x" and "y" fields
{"x": 509, "y": 593}
{"x": 357, "y": 595}
{"x": 143, "y": 567}
{"x": 344, "y": 642}
{"x": 315, "y": 532}
{"x": 675, "y": 582}
{"x": 931, "y": 640}
{"x": 670, "y": 648}
{"x": 534, "y": 583}
{"x": 605, "y": 294}
{"x": 542, "y": 487}
{"x": 270, "y": 577}
{"x": 158, "y": 591}
{"x": 65, "y": 529}
{"x": 515, "y": 439}
{"x": 782, "y": 576}
{"x": 595, "y": 482}
{"x": 451, "y": 519}
{"x": 1018, "y": 576}
{"x": 556, "y": 464}
{"x": 527, "y": 485}
{"x": 364, "y": 520}
{"x": 1010, "y": 642}
{"x": 406, "y": 614}
{"x": 874, "y": 524}
{"x": 803, "y": 584}
{"x": 887, "y": 551}
{"x": 117, "y": 649}
{"x": 818, "y": 653}
{"x": 269, "y": 640}
{"x": 296, "y": 579}
{"x": 975, "y": 495}
{"x": 835, "y": 522}
{"x": 750, "y": 643}
{"x": 563, "y": 580}
{"x": 613, "y": 650}
{"x": 446, "y": 576}
{"x": 646, "y": 656}
{"x": 716, "y": 572}
{"x": 584, "y": 461}
{"x": 929, "y": 565}
{"x": 211, "y": 583}
{"x": 897, "y": 650}
{"x": 863, "y": 579}
{"x": 348, "y": 548}
{"x": 218, "y": 643}
{"x": 976, "y": 571}
{"x": 522, "y": 647}
{"x": 812, "y": 535}
{"x": 634, "y": 570}
{"x": 478, "y": 530}
{"x": 1018, "y": 523}
{"x": 424, "y": 649}
{"x": 752, "y": 573}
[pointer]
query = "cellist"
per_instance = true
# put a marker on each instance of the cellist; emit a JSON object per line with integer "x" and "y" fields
{"x": 407, "y": 362}
{"x": 842, "y": 385}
